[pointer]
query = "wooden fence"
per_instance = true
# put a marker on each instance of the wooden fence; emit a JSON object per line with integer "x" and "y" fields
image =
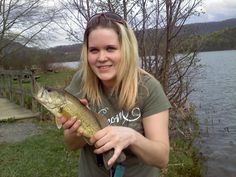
{"x": 16, "y": 85}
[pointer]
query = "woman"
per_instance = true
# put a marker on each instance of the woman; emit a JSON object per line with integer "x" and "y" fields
{"x": 111, "y": 83}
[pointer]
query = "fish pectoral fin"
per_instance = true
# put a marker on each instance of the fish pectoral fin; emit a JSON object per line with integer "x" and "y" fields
{"x": 58, "y": 122}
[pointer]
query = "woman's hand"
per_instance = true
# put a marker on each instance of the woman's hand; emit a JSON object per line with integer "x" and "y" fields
{"x": 153, "y": 148}
{"x": 113, "y": 137}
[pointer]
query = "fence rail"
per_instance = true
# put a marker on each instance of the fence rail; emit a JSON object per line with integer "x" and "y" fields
{"x": 16, "y": 85}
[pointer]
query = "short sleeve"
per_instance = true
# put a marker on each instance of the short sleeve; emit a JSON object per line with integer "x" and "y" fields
{"x": 155, "y": 100}
{"x": 74, "y": 87}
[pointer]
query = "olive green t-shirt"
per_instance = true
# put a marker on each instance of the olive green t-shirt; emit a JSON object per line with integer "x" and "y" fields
{"x": 151, "y": 100}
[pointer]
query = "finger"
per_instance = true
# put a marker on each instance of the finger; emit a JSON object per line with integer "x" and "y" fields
{"x": 104, "y": 148}
{"x": 98, "y": 135}
{"x": 67, "y": 124}
{"x": 80, "y": 131}
{"x": 75, "y": 126}
{"x": 113, "y": 159}
{"x": 102, "y": 142}
{"x": 84, "y": 102}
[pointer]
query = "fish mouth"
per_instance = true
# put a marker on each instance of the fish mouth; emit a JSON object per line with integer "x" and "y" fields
{"x": 48, "y": 96}
{"x": 38, "y": 91}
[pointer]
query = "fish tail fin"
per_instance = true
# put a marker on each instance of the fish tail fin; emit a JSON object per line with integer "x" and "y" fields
{"x": 107, "y": 155}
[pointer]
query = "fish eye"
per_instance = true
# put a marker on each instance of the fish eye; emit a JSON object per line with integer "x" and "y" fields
{"x": 60, "y": 110}
{"x": 48, "y": 89}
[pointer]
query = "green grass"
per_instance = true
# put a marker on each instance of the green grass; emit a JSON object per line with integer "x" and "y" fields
{"x": 42, "y": 155}
{"x": 59, "y": 79}
{"x": 184, "y": 160}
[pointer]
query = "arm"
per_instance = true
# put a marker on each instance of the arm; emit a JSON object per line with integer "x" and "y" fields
{"x": 153, "y": 149}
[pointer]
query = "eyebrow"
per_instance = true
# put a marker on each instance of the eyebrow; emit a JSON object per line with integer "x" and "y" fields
{"x": 108, "y": 45}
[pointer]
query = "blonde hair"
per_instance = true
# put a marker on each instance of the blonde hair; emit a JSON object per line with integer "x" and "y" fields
{"x": 126, "y": 87}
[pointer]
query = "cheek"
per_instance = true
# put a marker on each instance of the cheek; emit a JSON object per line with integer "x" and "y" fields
{"x": 118, "y": 58}
{"x": 91, "y": 60}
{"x": 91, "y": 64}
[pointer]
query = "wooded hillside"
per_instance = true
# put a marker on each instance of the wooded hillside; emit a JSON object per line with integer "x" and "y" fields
{"x": 212, "y": 36}
{"x": 220, "y": 40}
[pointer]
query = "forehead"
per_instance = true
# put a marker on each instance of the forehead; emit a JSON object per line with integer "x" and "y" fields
{"x": 103, "y": 36}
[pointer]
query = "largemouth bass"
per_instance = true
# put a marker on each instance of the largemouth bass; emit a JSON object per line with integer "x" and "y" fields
{"x": 62, "y": 104}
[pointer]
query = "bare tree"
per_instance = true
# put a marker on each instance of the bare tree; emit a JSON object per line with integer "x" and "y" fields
{"x": 73, "y": 16}
{"x": 22, "y": 21}
{"x": 160, "y": 42}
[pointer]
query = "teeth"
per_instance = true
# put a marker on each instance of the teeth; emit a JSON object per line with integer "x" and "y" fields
{"x": 107, "y": 66}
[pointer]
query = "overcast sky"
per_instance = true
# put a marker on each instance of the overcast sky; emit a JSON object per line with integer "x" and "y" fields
{"x": 216, "y": 10}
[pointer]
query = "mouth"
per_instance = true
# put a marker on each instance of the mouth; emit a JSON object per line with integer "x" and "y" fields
{"x": 104, "y": 67}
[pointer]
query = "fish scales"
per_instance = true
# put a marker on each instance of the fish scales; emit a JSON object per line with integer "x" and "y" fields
{"x": 89, "y": 123}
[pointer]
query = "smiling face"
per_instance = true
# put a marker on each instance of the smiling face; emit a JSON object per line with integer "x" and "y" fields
{"x": 104, "y": 54}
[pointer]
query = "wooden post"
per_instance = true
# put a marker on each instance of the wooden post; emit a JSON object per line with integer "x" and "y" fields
{"x": 10, "y": 86}
{"x": 32, "y": 78}
{"x": 4, "y": 87}
{"x": 21, "y": 91}
{"x": 2, "y": 84}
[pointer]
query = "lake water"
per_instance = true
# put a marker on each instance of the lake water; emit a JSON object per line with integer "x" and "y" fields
{"x": 71, "y": 64}
{"x": 215, "y": 101}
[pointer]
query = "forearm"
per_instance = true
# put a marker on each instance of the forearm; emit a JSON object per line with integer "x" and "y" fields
{"x": 151, "y": 152}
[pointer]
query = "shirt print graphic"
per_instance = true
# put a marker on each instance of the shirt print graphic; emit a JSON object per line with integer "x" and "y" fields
{"x": 123, "y": 116}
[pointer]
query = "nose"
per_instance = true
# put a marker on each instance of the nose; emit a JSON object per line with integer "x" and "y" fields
{"x": 102, "y": 56}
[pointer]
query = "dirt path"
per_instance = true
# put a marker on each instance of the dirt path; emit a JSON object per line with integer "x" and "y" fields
{"x": 17, "y": 131}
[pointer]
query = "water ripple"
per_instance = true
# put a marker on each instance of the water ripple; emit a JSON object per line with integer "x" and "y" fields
{"x": 215, "y": 102}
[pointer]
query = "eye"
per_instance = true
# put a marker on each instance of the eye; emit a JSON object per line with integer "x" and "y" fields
{"x": 111, "y": 49}
{"x": 93, "y": 50}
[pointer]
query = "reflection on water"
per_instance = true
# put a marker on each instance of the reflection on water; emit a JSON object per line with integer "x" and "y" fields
{"x": 216, "y": 108}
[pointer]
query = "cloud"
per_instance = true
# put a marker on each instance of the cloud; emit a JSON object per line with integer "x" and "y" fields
{"x": 215, "y": 10}
{"x": 219, "y": 9}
